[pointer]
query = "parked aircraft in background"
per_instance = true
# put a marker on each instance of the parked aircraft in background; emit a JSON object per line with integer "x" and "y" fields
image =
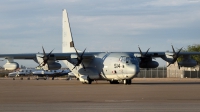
{"x": 40, "y": 73}
{"x": 22, "y": 72}
{"x": 50, "y": 73}
{"x": 89, "y": 66}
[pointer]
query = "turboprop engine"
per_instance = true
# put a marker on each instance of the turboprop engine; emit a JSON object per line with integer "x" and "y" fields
{"x": 87, "y": 74}
{"x": 188, "y": 63}
{"x": 146, "y": 60}
{"x": 47, "y": 61}
{"x": 11, "y": 65}
{"x": 149, "y": 64}
{"x": 52, "y": 66}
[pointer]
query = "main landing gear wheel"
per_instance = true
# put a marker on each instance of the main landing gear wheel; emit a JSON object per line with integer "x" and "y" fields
{"x": 52, "y": 78}
{"x": 114, "y": 82}
{"x": 89, "y": 80}
{"x": 37, "y": 78}
{"x": 127, "y": 81}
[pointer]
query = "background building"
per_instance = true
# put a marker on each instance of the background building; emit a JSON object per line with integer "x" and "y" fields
{"x": 184, "y": 72}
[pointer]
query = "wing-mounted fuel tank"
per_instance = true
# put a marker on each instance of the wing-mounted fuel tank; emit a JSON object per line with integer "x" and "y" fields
{"x": 187, "y": 62}
{"x": 47, "y": 63}
{"x": 11, "y": 65}
{"x": 88, "y": 73}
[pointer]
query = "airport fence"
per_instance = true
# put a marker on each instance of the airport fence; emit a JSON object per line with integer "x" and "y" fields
{"x": 183, "y": 74}
{"x": 153, "y": 73}
{"x": 164, "y": 73}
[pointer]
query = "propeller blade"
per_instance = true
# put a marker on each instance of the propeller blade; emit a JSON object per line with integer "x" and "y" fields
{"x": 43, "y": 51}
{"x": 179, "y": 51}
{"x": 45, "y": 58}
{"x": 83, "y": 53}
{"x": 147, "y": 52}
{"x": 143, "y": 55}
{"x": 79, "y": 58}
{"x": 74, "y": 67}
{"x": 175, "y": 56}
{"x": 173, "y": 49}
{"x": 140, "y": 51}
{"x": 169, "y": 64}
{"x": 76, "y": 52}
{"x": 50, "y": 53}
{"x": 83, "y": 65}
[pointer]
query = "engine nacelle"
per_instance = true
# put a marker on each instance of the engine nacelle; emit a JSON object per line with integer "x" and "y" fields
{"x": 149, "y": 64}
{"x": 88, "y": 72}
{"x": 188, "y": 63}
{"x": 11, "y": 66}
{"x": 52, "y": 66}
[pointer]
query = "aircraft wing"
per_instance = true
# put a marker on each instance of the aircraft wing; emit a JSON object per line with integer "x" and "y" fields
{"x": 18, "y": 56}
{"x": 87, "y": 55}
{"x": 161, "y": 54}
{"x": 58, "y": 56}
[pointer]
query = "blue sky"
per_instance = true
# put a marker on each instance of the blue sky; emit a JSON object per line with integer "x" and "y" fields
{"x": 99, "y": 25}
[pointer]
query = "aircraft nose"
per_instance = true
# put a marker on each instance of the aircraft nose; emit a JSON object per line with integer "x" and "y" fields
{"x": 134, "y": 70}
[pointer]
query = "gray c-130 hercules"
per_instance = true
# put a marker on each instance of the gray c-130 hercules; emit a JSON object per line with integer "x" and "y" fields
{"x": 89, "y": 66}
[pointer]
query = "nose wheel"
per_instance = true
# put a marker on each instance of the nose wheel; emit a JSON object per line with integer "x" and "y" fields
{"x": 127, "y": 81}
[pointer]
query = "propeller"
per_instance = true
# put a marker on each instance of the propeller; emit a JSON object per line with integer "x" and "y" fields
{"x": 175, "y": 57}
{"x": 143, "y": 55}
{"x": 45, "y": 58}
{"x": 79, "y": 59}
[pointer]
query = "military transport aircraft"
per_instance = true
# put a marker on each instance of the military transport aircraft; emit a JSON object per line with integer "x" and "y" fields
{"x": 89, "y": 66}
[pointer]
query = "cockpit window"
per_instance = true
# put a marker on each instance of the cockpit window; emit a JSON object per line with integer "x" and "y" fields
{"x": 127, "y": 60}
{"x": 124, "y": 59}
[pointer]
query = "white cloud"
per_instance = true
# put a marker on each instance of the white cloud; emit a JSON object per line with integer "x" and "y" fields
{"x": 160, "y": 3}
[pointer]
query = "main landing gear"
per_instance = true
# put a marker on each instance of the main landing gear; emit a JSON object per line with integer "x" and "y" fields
{"x": 127, "y": 81}
{"x": 114, "y": 82}
{"x": 86, "y": 81}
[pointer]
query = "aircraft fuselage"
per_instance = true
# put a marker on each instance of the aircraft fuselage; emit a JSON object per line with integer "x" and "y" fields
{"x": 107, "y": 66}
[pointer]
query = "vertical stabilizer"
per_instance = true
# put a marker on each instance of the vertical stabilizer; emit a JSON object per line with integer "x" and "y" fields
{"x": 68, "y": 44}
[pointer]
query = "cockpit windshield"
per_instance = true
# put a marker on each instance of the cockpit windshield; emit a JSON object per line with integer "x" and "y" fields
{"x": 127, "y": 60}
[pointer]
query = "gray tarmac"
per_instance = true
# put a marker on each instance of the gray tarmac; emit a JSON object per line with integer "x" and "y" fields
{"x": 144, "y": 95}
